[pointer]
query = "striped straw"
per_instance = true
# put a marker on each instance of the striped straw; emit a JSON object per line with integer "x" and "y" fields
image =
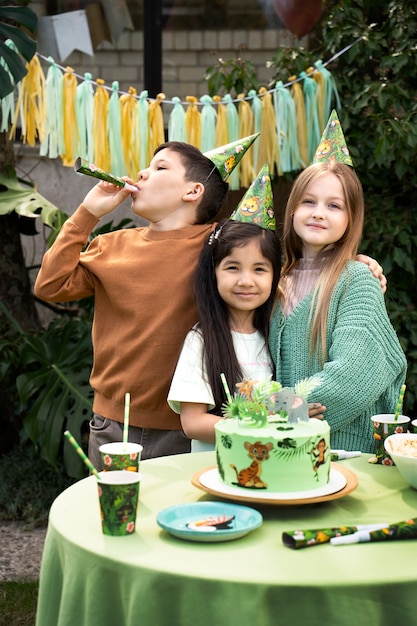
{"x": 226, "y": 387}
{"x": 126, "y": 419}
{"x": 400, "y": 403}
{"x": 82, "y": 454}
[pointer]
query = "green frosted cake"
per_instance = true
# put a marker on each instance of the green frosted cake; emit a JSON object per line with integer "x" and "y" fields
{"x": 279, "y": 451}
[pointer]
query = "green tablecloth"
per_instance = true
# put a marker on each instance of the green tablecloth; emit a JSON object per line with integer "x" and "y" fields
{"x": 152, "y": 578}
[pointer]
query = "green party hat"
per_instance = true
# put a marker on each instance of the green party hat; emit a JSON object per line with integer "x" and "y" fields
{"x": 228, "y": 156}
{"x": 257, "y": 206}
{"x": 332, "y": 146}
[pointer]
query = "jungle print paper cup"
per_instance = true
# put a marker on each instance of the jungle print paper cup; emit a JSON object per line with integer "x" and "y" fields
{"x": 118, "y": 494}
{"x": 121, "y": 456}
{"x": 385, "y": 425}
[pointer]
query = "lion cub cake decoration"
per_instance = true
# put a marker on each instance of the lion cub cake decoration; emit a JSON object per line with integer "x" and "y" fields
{"x": 267, "y": 441}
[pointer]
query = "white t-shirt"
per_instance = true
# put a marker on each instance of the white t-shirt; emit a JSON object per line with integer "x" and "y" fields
{"x": 190, "y": 383}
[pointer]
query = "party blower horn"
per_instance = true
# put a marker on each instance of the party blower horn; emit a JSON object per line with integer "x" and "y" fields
{"x": 82, "y": 166}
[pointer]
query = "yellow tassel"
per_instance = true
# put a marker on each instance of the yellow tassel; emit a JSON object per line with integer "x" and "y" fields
{"x": 69, "y": 125}
{"x": 130, "y": 132}
{"x": 222, "y": 135}
{"x": 101, "y": 142}
{"x": 193, "y": 122}
{"x": 246, "y": 128}
{"x": 156, "y": 125}
{"x": 300, "y": 114}
{"x": 32, "y": 104}
{"x": 268, "y": 142}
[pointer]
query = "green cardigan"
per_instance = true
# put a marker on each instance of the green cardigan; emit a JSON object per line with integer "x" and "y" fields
{"x": 365, "y": 365}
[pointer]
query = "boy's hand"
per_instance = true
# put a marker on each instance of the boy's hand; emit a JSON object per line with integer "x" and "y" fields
{"x": 375, "y": 268}
{"x": 104, "y": 197}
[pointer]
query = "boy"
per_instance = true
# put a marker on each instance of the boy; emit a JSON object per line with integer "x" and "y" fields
{"x": 142, "y": 282}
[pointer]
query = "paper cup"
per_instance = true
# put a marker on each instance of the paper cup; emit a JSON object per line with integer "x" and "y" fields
{"x": 118, "y": 494}
{"x": 384, "y": 426}
{"x": 121, "y": 456}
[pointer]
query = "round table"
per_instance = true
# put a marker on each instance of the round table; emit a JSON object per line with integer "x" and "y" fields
{"x": 153, "y": 578}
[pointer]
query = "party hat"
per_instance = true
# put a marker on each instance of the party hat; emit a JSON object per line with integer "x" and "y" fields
{"x": 257, "y": 205}
{"x": 332, "y": 146}
{"x": 228, "y": 156}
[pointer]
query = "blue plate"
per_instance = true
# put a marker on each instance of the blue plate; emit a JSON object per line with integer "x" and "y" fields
{"x": 209, "y": 521}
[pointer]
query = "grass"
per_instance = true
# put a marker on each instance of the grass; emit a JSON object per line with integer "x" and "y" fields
{"x": 18, "y": 603}
{"x": 28, "y": 486}
{"x": 33, "y": 483}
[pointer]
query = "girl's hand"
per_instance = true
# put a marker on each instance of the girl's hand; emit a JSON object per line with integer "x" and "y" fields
{"x": 315, "y": 409}
{"x": 375, "y": 268}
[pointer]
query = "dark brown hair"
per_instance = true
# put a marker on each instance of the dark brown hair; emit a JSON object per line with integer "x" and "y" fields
{"x": 198, "y": 168}
{"x": 219, "y": 353}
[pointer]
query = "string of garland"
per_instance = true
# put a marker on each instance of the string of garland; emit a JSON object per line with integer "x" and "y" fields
{"x": 72, "y": 115}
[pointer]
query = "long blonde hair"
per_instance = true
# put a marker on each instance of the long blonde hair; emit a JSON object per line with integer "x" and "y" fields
{"x": 338, "y": 255}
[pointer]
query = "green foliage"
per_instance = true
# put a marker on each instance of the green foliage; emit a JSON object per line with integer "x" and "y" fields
{"x": 233, "y": 76}
{"x": 12, "y": 19}
{"x": 53, "y": 387}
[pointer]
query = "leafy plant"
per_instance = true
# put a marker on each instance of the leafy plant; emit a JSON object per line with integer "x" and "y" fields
{"x": 22, "y": 197}
{"x": 12, "y": 18}
{"x": 53, "y": 387}
{"x": 233, "y": 76}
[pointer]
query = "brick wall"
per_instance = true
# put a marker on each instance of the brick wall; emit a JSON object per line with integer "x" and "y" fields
{"x": 186, "y": 56}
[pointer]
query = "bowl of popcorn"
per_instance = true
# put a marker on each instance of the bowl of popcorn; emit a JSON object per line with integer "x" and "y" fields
{"x": 402, "y": 448}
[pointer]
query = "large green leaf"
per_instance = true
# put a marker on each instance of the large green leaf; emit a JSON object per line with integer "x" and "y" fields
{"x": 54, "y": 387}
{"x": 25, "y": 45}
{"x": 27, "y": 202}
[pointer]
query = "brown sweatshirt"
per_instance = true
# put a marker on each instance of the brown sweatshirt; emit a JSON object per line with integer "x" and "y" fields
{"x": 142, "y": 283}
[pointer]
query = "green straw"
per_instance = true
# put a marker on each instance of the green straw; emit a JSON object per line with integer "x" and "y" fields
{"x": 82, "y": 454}
{"x": 126, "y": 419}
{"x": 400, "y": 403}
{"x": 226, "y": 387}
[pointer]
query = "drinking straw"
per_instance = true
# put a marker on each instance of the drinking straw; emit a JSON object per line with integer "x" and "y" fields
{"x": 226, "y": 387}
{"x": 400, "y": 403}
{"x": 82, "y": 454}
{"x": 126, "y": 419}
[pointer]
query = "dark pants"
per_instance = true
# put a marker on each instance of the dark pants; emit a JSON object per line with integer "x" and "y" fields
{"x": 155, "y": 442}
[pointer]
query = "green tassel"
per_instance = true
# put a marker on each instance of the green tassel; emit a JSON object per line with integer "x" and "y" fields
{"x": 176, "y": 123}
{"x": 114, "y": 126}
{"x": 331, "y": 91}
{"x": 312, "y": 117}
{"x": 53, "y": 142}
{"x": 287, "y": 129}
{"x": 84, "y": 108}
{"x": 208, "y": 124}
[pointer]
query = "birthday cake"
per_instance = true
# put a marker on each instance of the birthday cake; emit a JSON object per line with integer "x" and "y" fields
{"x": 267, "y": 441}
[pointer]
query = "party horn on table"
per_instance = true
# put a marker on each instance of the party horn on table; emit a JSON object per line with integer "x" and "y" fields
{"x": 82, "y": 454}
{"x": 338, "y": 455}
{"x": 126, "y": 419}
{"x": 400, "y": 403}
{"x": 84, "y": 167}
{"x": 402, "y": 530}
{"x": 313, "y": 537}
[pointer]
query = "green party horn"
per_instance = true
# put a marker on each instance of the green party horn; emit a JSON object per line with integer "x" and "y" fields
{"x": 82, "y": 166}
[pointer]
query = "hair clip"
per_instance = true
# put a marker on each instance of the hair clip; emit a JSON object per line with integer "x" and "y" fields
{"x": 215, "y": 235}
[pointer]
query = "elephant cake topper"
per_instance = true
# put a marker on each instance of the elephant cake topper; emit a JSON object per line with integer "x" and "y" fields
{"x": 257, "y": 403}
